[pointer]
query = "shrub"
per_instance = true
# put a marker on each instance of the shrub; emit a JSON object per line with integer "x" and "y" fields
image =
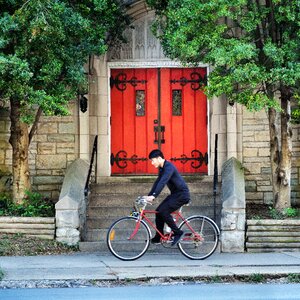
{"x": 33, "y": 205}
{"x": 291, "y": 212}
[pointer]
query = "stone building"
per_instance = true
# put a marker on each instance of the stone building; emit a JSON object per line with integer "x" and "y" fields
{"x": 140, "y": 69}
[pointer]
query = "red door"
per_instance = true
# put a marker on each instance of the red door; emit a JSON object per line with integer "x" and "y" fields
{"x": 158, "y": 108}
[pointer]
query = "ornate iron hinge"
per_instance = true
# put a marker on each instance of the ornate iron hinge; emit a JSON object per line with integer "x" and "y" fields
{"x": 196, "y": 81}
{"x": 197, "y": 159}
{"x": 120, "y": 81}
{"x": 121, "y": 159}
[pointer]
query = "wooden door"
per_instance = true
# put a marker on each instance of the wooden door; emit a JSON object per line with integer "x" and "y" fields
{"x": 158, "y": 108}
{"x": 184, "y": 115}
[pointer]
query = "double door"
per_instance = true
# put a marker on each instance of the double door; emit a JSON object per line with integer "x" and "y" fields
{"x": 162, "y": 109}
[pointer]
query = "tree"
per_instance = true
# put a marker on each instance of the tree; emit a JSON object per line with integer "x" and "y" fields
{"x": 254, "y": 48}
{"x": 44, "y": 45}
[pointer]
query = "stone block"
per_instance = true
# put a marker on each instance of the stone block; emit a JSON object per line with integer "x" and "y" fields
{"x": 250, "y": 152}
{"x": 233, "y": 184}
{"x": 262, "y": 136}
{"x": 51, "y": 161}
{"x": 264, "y": 152}
{"x": 68, "y": 236}
{"x": 67, "y": 218}
{"x": 66, "y": 128}
{"x": 233, "y": 241}
{"x": 65, "y": 148}
{"x": 61, "y": 137}
{"x": 48, "y": 180}
{"x": 228, "y": 221}
{"x": 47, "y": 128}
{"x": 46, "y": 148}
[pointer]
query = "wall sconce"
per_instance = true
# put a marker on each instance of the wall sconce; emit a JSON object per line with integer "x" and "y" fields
{"x": 83, "y": 103}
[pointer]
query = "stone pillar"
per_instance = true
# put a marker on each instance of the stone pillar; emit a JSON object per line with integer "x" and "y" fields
{"x": 104, "y": 168}
{"x": 233, "y": 218}
{"x": 71, "y": 207}
{"x": 217, "y": 125}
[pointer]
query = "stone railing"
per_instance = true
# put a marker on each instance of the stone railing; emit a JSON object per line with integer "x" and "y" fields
{"x": 30, "y": 226}
{"x": 233, "y": 207}
{"x": 272, "y": 235}
{"x": 71, "y": 207}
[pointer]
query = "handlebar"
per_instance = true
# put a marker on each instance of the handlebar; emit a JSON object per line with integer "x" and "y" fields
{"x": 141, "y": 202}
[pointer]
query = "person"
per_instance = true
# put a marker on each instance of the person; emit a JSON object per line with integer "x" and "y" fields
{"x": 180, "y": 195}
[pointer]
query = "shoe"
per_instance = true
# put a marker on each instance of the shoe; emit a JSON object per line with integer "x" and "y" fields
{"x": 177, "y": 238}
{"x": 155, "y": 240}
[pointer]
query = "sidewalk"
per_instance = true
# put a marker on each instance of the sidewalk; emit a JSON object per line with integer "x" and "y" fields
{"x": 103, "y": 266}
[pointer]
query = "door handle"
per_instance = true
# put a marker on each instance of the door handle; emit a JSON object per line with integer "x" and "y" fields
{"x": 159, "y": 133}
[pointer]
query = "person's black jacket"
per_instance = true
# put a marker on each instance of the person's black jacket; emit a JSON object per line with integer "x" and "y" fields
{"x": 169, "y": 175}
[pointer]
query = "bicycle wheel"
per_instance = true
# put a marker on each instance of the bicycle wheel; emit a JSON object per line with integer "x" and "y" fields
{"x": 200, "y": 239}
{"x": 126, "y": 244}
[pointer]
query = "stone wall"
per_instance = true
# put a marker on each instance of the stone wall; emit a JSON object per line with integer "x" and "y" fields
{"x": 256, "y": 159}
{"x": 52, "y": 149}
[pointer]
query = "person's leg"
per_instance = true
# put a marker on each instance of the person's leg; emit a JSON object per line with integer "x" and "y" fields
{"x": 159, "y": 221}
{"x": 169, "y": 205}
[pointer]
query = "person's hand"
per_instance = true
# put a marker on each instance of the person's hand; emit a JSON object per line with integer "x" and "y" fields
{"x": 149, "y": 198}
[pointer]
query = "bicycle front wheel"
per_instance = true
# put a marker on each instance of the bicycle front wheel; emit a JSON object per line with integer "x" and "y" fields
{"x": 200, "y": 239}
{"x": 128, "y": 238}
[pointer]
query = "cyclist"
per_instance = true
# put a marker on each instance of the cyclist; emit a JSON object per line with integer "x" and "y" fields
{"x": 180, "y": 195}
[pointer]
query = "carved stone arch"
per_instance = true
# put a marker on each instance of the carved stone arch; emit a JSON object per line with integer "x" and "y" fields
{"x": 141, "y": 44}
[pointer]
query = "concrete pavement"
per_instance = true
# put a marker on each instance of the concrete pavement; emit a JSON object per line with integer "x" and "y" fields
{"x": 103, "y": 266}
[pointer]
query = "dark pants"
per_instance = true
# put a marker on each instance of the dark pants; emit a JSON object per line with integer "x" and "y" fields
{"x": 169, "y": 205}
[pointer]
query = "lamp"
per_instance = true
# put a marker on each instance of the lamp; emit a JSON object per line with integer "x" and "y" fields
{"x": 83, "y": 103}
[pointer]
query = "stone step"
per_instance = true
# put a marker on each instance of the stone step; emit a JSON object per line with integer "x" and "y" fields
{"x": 102, "y": 247}
{"x": 98, "y": 211}
{"x": 104, "y": 222}
{"x": 114, "y": 198}
{"x": 117, "y": 200}
{"x": 204, "y": 185}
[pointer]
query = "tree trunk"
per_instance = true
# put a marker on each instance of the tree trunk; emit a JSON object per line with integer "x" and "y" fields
{"x": 274, "y": 151}
{"x": 285, "y": 166}
{"x": 19, "y": 139}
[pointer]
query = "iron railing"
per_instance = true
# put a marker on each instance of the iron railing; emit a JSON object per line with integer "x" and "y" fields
{"x": 216, "y": 175}
{"x": 94, "y": 152}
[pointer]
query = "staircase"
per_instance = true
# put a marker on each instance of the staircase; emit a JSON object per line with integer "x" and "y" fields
{"x": 114, "y": 199}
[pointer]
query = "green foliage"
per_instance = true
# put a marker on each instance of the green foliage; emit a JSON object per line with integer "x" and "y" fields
{"x": 296, "y": 110}
{"x": 256, "y": 278}
{"x": 294, "y": 278}
{"x": 288, "y": 212}
{"x": 33, "y": 205}
{"x": 291, "y": 212}
{"x": 254, "y": 46}
{"x": 44, "y": 46}
{"x": 275, "y": 214}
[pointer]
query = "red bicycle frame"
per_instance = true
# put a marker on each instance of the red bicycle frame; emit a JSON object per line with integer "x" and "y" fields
{"x": 165, "y": 237}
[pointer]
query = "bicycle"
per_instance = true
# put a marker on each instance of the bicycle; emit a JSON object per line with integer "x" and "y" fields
{"x": 128, "y": 238}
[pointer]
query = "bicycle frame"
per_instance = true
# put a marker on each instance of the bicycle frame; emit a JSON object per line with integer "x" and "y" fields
{"x": 165, "y": 237}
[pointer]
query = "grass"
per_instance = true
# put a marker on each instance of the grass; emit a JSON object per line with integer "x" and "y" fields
{"x": 1, "y": 274}
{"x": 21, "y": 245}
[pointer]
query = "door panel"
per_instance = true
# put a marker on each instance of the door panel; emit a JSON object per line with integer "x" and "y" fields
{"x": 133, "y": 109}
{"x": 158, "y": 108}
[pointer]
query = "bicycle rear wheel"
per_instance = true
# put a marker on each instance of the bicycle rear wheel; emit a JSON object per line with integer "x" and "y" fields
{"x": 126, "y": 241}
{"x": 200, "y": 239}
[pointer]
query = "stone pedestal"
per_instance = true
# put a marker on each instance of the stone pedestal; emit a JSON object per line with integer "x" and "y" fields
{"x": 233, "y": 207}
{"x": 71, "y": 207}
